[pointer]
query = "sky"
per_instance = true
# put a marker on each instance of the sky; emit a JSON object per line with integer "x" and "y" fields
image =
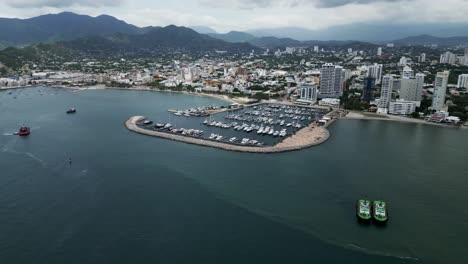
{"x": 226, "y": 15}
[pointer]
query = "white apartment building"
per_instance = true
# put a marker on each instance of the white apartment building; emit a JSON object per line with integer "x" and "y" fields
{"x": 440, "y": 89}
{"x": 386, "y": 92}
{"x": 463, "y": 80}
{"x": 375, "y": 71}
{"x": 308, "y": 93}
{"x": 402, "y": 107}
{"x": 448, "y": 58}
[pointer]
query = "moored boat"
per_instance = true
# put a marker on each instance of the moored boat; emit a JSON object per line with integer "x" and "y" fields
{"x": 363, "y": 210}
{"x": 24, "y": 131}
{"x": 71, "y": 111}
{"x": 380, "y": 211}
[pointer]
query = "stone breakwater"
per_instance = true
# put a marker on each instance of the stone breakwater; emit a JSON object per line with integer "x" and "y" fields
{"x": 304, "y": 138}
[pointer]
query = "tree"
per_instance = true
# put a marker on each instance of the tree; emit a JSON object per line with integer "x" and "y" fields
{"x": 415, "y": 115}
{"x": 261, "y": 96}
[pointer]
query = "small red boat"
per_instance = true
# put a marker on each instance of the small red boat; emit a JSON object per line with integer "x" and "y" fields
{"x": 24, "y": 131}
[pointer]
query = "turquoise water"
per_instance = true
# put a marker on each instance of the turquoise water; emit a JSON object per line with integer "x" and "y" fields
{"x": 131, "y": 198}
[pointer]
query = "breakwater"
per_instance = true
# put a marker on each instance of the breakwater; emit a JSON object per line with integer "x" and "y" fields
{"x": 304, "y": 138}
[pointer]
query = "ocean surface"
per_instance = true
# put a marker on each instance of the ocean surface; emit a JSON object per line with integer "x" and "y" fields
{"x": 129, "y": 198}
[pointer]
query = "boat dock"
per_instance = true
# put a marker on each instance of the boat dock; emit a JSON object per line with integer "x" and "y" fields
{"x": 306, "y": 137}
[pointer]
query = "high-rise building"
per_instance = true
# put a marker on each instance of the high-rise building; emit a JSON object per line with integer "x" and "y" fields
{"x": 448, "y": 58}
{"x": 403, "y": 61}
{"x": 331, "y": 81}
{"x": 368, "y": 89}
{"x": 422, "y": 57}
{"x": 379, "y": 51}
{"x": 350, "y": 50}
{"x": 347, "y": 74}
{"x": 466, "y": 52}
{"x": 411, "y": 88}
{"x": 316, "y": 48}
{"x": 375, "y": 71}
{"x": 396, "y": 85}
{"x": 386, "y": 91}
{"x": 309, "y": 93}
{"x": 440, "y": 89}
{"x": 407, "y": 73}
{"x": 463, "y": 80}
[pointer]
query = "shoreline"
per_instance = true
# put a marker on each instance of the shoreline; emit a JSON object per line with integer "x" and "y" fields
{"x": 136, "y": 88}
{"x": 359, "y": 116}
{"x": 352, "y": 115}
{"x": 305, "y": 138}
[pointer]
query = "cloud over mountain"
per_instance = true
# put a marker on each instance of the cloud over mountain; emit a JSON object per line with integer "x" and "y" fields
{"x": 61, "y": 3}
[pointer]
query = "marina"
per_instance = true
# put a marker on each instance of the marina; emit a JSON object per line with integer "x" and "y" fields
{"x": 258, "y": 128}
{"x": 223, "y": 188}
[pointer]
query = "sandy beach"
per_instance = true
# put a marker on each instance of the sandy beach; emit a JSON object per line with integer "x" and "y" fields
{"x": 372, "y": 116}
{"x": 304, "y": 138}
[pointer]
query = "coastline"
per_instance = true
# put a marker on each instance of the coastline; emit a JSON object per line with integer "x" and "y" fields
{"x": 304, "y": 138}
{"x": 136, "y": 88}
{"x": 359, "y": 116}
{"x": 352, "y": 115}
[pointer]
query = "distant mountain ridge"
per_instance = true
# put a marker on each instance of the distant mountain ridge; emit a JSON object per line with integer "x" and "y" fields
{"x": 369, "y": 32}
{"x": 62, "y": 26}
{"x": 275, "y": 42}
{"x": 430, "y": 40}
{"x": 170, "y": 38}
{"x": 156, "y": 41}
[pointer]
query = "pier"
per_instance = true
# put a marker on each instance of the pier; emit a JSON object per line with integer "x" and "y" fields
{"x": 308, "y": 136}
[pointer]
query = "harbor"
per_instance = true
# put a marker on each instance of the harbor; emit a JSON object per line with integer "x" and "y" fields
{"x": 262, "y": 128}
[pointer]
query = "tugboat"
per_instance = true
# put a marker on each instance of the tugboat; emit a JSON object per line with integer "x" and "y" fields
{"x": 24, "y": 131}
{"x": 380, "y": 212}
{"x": 71, "y": 111}
{"x": 363, "y": 210}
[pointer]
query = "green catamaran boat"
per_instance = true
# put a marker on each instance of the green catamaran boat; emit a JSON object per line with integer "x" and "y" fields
{"x": 380, "y": 212}
{"x": 363, "y": 210}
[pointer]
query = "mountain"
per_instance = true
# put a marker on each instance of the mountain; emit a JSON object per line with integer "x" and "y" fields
{"x": 63, "y": 26}
{"x": 263, "y": 42}
{"x": 233, "y": 36}
{"x": 429, "y": 40}
{"x": 374, "y": 32}
{"x": 204, "y": 30}
{"x": 170, "y": 38}
{"x": 276, "y": 42}
{"x": 156, "y": 41}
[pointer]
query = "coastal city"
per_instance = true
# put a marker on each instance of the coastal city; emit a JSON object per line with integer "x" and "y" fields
{"x": 424, "y": 83}
{"x": 225, "y": 132}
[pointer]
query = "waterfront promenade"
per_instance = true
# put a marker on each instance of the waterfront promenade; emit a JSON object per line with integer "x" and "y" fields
{"x": 309, "y": 136}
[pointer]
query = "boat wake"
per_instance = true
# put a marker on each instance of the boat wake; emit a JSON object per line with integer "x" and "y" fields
{"x": 34, "y": 157}
{"x": 8, "y": 134}
{"x": 375, "y": 252}
{"x": 27, "y": 154}
{"x": 290, "y": 222}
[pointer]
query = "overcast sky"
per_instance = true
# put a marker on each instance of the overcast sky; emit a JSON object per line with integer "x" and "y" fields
{"x": 224, "y": 15}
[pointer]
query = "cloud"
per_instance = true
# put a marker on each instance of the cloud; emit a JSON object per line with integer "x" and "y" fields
{"x": 247, "y": 4}
{"x": 335, "y": 3}
{"x": 61, "y": 3}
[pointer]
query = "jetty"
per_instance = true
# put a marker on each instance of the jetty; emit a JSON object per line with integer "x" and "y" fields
{"x": 308, "y": 136}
